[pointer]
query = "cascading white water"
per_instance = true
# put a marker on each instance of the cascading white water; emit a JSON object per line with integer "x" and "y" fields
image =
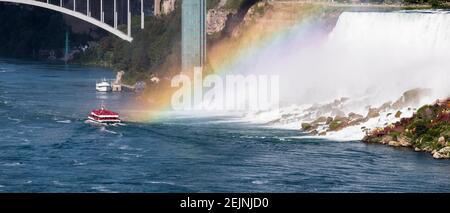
{"x": 427, "y": 33}
{"x": 373, "y": 54}
{"x": 369, "y": 57}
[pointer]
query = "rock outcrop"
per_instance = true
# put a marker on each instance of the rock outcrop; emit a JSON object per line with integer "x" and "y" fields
{"x": 443, "y": 153}
{"x": 410, "y": 97}
{"x": 216, "y": 20}
{"x": 231, "y": 19}
{"x": 164, "y": 7}
{"x": 386, "y": 139}
{"x": 404, "y": 141}
{"x": 168, "y": 6}
{"x": 394, "y": 143}
{"x": 428, "y": 130}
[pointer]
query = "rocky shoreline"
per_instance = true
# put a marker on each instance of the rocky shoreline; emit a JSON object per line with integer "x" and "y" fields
{"x": 428, "y": 130}
{"x": 397, "y": 124}
{"x": 338, "y": 120}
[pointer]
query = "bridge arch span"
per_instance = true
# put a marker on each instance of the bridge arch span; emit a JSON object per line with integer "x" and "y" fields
{"x": 73, "y": 13}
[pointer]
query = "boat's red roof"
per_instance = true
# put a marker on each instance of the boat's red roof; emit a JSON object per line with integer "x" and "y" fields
{"x": 101, "y": 112}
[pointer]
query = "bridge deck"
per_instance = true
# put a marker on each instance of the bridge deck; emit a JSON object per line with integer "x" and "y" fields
{"x": 79, "y": 15}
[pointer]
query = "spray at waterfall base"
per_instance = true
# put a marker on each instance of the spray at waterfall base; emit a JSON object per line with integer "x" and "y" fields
{"x": 366, "y": 63}
{"x": 228, "y": 93}
{"x": 223, "y": 55}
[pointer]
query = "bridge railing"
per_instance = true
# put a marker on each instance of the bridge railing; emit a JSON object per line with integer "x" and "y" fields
{"x": 87, "y": 14}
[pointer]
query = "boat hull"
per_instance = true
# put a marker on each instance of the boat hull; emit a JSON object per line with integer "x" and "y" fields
{"x": 104, "y": 121}
{"x": 103, "y": 89}
{"x": 103, "y": 86}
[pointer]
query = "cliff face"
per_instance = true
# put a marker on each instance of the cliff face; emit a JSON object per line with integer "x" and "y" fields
{"x": 168, "y": 6}
{"x": 217, "y": 19}
{"x": 226, "y": 15}
{"x": 260, "y": 15}
{"x": 164, "y": 7}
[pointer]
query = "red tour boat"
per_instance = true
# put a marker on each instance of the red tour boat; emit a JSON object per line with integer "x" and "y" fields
{"x": 104, "y": 116}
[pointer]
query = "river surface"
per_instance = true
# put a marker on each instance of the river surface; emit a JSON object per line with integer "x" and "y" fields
{"x": 45, "y": 146}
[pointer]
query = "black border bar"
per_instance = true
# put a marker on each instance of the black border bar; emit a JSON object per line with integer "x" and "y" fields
{"x": 173, "y": 201}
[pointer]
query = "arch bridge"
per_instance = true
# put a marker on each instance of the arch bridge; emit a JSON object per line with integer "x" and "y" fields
{"x": 71, "y": 10}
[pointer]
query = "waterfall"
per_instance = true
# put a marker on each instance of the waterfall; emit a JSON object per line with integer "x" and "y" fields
{"x": 419, "y": 33}
{"x": 370, "y": 58}
{"x": 378, "y": 55}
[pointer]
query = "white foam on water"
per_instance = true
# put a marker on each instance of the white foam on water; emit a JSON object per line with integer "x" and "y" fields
{"x": 133, "y": 155}
{"x": 77, "y": 163}
{"x": 15, "y": 119}
{"x": 350, "y": 133}
{"x": 101, "y": 188}
{"x": 260, "y": 182}
{"x": 103, "y": 129}
{"x": 6, "y": 70}
{"x": 57, "y": 183}
{"x": 356, "y": 132}
{"x": 124, "y": 147}
{"x": 64, "y": 121}
{"x": 13, "y": 164}
{"x": 161, "y": 182}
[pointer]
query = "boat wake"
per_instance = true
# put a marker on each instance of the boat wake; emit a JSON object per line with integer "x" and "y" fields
{"x": 93, "y": 123}
{"x": 16, "y": 120}
{"x": 117, "y": 124}
{"x": 3, "y": 70}
{"x": 64, "y": 121}
{"x": 103, "y": 129}
{"x": 13, "y": 164}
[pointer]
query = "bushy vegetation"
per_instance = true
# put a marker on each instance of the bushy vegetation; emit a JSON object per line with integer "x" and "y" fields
{"x": 424, "y": 129}
{"x": 230, "y": 4}
{"x": 336, "y": 124}
{"x": 18, "y": 27}
{"x": 151, "y": 48}
{"x": 428, "y": 125}
{"x": 212, "y": 3}
{"x": 148, "y": 51}
{"x": 233, "y": 4}
{"x": 25, "y": 30}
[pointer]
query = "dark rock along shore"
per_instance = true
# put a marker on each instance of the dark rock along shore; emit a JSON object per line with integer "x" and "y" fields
{"x": 428, "y": 131}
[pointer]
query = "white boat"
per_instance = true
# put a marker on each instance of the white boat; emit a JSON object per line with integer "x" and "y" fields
{"x": 103, "y": 86}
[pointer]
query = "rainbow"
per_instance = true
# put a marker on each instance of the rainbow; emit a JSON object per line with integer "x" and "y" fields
{"x": 224, "y": 55}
